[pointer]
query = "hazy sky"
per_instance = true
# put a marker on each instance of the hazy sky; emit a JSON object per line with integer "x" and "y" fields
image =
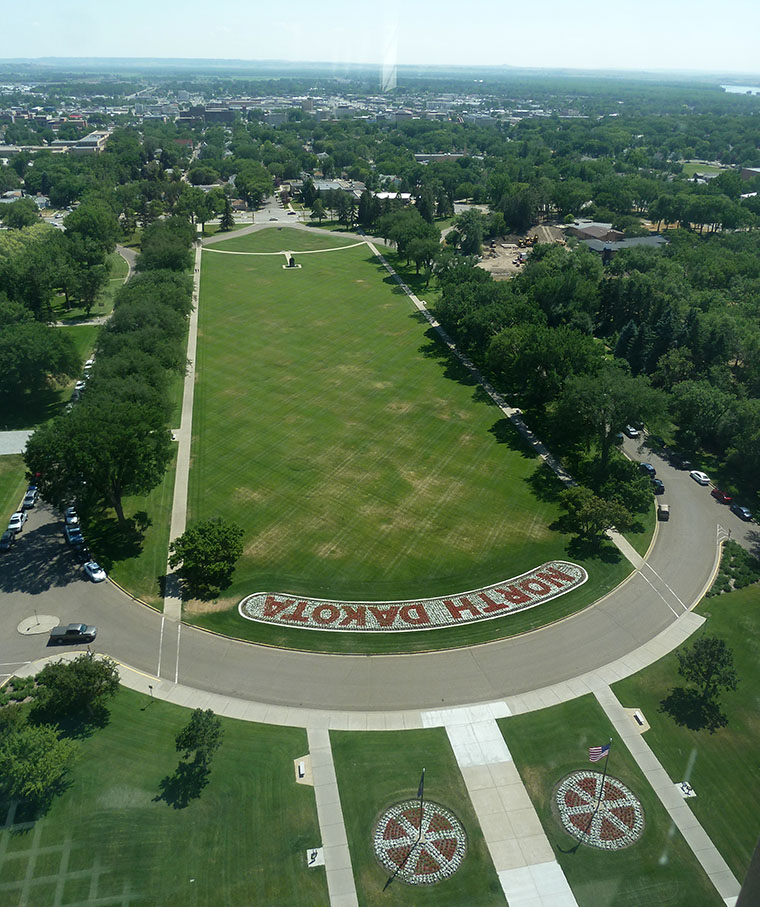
{"x": 643, "y": 34}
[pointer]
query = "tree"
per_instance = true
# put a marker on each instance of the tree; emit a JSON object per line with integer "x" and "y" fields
{"x": 18, "y": 214}
{"x": 589, "y": 515}
{"x": 226, "y": 221}
{"x": 95, "y": 222}
{"x": 709, "y": 665}
{"x": 33, "y": 760}
{"x": 202, "y": 735}
{"x": 88, "y": 284}
{"x": 599, "y": 406}
{"x": 100, "y": 452}
{"x": 207, "y": 553}
{"x": 80, "y": 686}
{"x": 318, "y": 210}
{"x": 468, "y": 232}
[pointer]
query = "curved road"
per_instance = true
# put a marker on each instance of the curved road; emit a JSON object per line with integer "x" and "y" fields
{"x": 39, "y": 574}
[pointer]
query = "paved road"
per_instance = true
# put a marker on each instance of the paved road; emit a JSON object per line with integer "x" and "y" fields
{"x": 39, "y": 574}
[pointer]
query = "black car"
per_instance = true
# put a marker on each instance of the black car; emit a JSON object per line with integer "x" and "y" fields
{"x": 7, "y": 539}
{"x": 658, "y": 486}
{"x": 648, "y": 469}
{"x": 742, "y": 512}
{"x": 82, "y": 553}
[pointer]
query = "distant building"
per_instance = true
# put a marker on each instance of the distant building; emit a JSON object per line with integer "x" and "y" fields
{"x": 749, "y": 173}
{"x": 592, "y": 230}
{"x": 93, "y": 143}
{"x": 609, "y": 249}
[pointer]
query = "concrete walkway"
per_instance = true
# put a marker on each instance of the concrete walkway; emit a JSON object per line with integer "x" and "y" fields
{"x": 521, "y": 853}
{"x": 665, "y": 787}
{"x": 14, "y": 442}
{"x": 340, "y": 876}
{"x": 183, "y": 437}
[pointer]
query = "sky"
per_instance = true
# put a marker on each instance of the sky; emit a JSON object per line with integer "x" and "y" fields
{"x": 639, "y": 35}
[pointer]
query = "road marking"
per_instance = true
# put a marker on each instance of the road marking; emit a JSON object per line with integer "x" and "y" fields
{"x": 176, "y": 667}
{"x": 646, "y": 580}
{"x": 160, "y": 647}
{"x": 667, "y": 587}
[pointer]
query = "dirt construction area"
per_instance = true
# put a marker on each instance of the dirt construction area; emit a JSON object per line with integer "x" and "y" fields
{"x": 504, "y": 257}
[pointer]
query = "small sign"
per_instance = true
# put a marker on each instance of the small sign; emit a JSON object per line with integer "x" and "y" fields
{"x": 315, "y": 856}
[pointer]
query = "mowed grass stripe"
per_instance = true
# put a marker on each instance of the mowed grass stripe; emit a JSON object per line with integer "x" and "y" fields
{"x": 361, "y": 460}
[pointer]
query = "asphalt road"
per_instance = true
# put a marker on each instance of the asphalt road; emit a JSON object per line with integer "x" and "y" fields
{"x": 40, "y": 574}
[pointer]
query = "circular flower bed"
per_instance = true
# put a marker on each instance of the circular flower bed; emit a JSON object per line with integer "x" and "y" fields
{"x": 422, "y": 855}
{"x": 609, "y": 818}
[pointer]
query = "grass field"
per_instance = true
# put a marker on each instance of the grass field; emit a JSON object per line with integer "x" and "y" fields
{"x": 658, "y": 869}
{"x": 243, "y": 841}
{"x": 376, "y": 770}
{"x": 361, "y": 460}
{"x": 12, "y": 486}
{"x": 722, "y": 767}
{"x": 692, "y": 167}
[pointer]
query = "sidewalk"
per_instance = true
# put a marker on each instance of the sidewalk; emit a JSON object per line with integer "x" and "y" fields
{"x": 183, "y": 436}
{"x": 522, "y": 856}
{"x": 683, "y": 818}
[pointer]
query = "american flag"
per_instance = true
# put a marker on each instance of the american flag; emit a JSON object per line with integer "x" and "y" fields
{"x": 595, "y": 753}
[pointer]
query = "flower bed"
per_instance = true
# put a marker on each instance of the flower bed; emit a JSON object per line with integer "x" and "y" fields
{"x": 612, "y": 821}
{"x": 540, "y": 585}
{"x": 420, "y": 856}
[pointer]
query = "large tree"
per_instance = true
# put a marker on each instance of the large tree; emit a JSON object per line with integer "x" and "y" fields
{"x": 80, "y": 686}
{"x": 33, "y": 760}
{"x": 206, "y": 554}
{"x": 100, "y": 452}
{"x": 595, "y": 408}
{"x": 21, "y": 213}
{"x": 201, "y": 736}
{"x": 709, "y": 664}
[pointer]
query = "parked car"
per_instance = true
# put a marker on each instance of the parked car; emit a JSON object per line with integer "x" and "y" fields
{"x": 81, "y": 552}
{"x": 721, "y": 496}
{"x": 96, "y": 573}
{"x": 80, "y": 386}
{"x": 663, "y": 512}
{"x": 73, "y": 535}
{"x": 71, "y": 516}
{"x": 72, "y": 633}
{"x": 16, "y": 522}
{"x": 630, "y": 431}
{"x": 700, "y": 478}
{"x": 29, "y": 500}
{"x": 7, "y": 539}
{"x": 648, "y": 469}
{"x": 89, "y": 363}
{"x": 658, "y": 486}
{"x": 742, "y": 512}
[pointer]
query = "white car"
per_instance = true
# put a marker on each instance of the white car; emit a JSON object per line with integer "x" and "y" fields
{"x": 700, "y": 477}
{"x": 16, "y": 522}
{"x": 96, "y": 573}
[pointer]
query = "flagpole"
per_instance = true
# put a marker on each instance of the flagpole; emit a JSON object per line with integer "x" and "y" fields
{"x": 604, "y": 776}
{"x": 421, "y": 795}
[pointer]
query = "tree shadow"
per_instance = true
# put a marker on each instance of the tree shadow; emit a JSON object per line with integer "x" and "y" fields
{"x": 545, "y": 485}
{"x": 77, "y": 726}
{"x": 114, "y": 541}
{"x": 38, "y": 561}
{"x": 594, "y": 548}
{"x": 688, "y": 708}
{"x": 506, "y": 432}
{"x": 184, "y": 785}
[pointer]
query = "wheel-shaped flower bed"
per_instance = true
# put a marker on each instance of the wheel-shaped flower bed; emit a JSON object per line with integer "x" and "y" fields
{"x": 422, "y": 855}
{"x": 610, "y": 818}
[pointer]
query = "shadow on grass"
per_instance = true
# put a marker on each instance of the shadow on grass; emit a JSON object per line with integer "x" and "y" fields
{"x": 590, "y": 549}
{"x": 30, "y": 409}
{"x": 112, "y": 541}
{"x": 76, "y": 726}
{"x": 688, "y": 708}
{"x": 545, "y": 485}
{"x": 506, "y": 433}
{"x": 184, "y": 785}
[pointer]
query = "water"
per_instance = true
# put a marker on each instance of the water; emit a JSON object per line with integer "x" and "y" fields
{"x": 741, "y": 89}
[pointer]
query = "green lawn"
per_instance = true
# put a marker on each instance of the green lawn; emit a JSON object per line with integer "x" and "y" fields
{"x": 658, "y": 869}
{"x": 376, "y": 770}
{"x": 30, "y": 409}
{"x": 12, "y": 486}
{"x": 721, "y": 767}
{"x": 692, "y": 167}
{"x": 360, "y": 458}
{"x": 243, "y": 841}
{"x": 135, "y": 557}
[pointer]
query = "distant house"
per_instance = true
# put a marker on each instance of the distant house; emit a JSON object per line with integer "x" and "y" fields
{"x": 749, "y": 173}
{"x": 598, "y": 231}
{"x": 609, "y": 249}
